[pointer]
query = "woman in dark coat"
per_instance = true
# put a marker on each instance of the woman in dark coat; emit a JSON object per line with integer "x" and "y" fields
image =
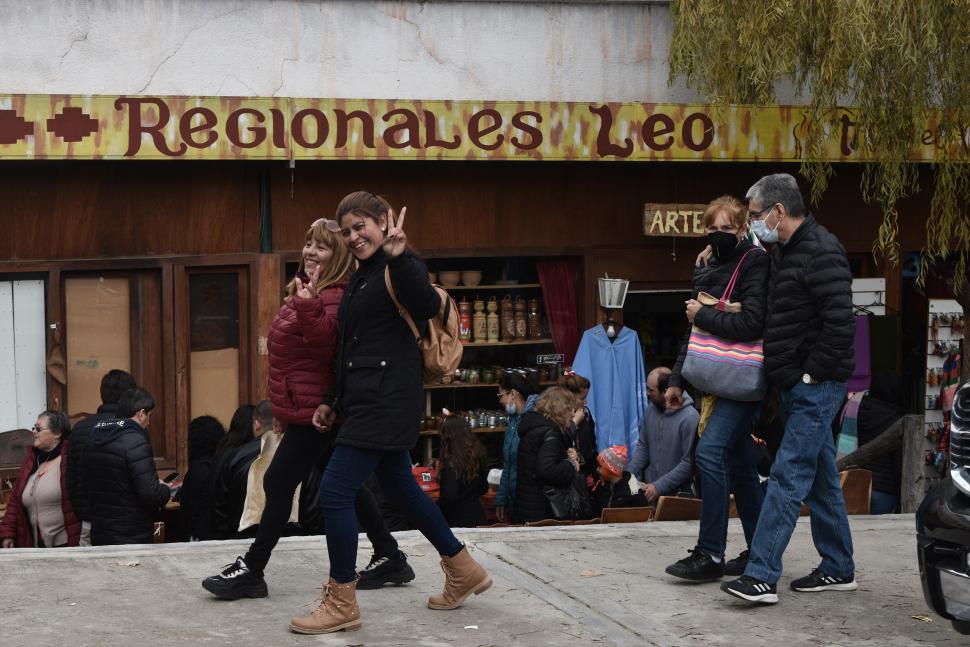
{"x": 461, "y": 475}
{"x": 547, "y": 456}
{"x": 379, "y": 395}
{"x": 725, "y": 455}
{"x": 583, "y": 426}
{"x": 39, "y": 507}
{"x": 195, "y": 494}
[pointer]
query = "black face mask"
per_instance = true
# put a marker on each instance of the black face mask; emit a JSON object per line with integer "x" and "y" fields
{"x": 722, "y": 244}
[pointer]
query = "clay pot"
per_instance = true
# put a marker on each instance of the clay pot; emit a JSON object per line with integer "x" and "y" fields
{"x": 471, "y": 278}
{"x": 449, "y": 278}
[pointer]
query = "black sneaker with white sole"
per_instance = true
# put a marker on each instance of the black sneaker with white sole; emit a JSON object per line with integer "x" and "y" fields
{"x": 818, "y": 581}
{"x": 752, "y": 590}
{"x": 736, "y": 566}
{"x": 236, "y": 581}
{"x": 385, "y": 570}
{"x": 697, "y": 567}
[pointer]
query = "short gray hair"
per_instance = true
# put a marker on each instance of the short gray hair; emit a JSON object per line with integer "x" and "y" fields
{"x": 778, "y": 188}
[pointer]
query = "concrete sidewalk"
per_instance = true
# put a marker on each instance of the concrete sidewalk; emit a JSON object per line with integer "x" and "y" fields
{"x": 600, "y": 585}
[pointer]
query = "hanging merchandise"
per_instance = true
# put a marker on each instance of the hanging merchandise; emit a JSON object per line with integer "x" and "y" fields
{"x": 862, "y": 374}
{"x": 618, "y": 386}
{"x": 465, "y": 321}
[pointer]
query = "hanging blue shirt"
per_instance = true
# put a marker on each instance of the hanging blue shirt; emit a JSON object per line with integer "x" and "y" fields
{"x": 618, "y": 385}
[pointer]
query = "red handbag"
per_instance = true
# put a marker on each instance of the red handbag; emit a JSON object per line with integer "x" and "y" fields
{"x": 427, "y": 478}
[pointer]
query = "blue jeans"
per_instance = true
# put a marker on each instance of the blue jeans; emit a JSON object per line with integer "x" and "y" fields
{"x": 725, "y": 462}
{"x": 346, "y": 472}
{"x": 882, "y": 502}
{"x": 804, "y": 470}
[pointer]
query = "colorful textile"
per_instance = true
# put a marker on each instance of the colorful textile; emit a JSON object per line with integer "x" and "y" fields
{"x": 613, "y": 459}
{"x": 861, "y": 378}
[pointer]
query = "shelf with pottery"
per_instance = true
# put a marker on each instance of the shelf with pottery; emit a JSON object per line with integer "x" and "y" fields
{"x": 476, "y": 430}
{"x": 496, "y": 286}
{"x": 499, "y": 344}
{"x": 476, "y": 385}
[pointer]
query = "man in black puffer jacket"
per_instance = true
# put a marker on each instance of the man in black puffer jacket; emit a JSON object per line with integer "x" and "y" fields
{"x": 808, "y": 343}
{"x": 113, "y": 385}
{"x": 124, "y": 490}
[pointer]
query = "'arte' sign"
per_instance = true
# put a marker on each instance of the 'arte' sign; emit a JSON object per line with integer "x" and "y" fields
{"x": 673, "y": 219}
{"x": 150, "y": 127}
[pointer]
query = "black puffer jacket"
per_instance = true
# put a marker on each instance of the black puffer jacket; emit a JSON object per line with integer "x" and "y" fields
{"x": 122, "y": 484}
{"x": 810, "y": 327}
{"x": 75, "y": 474}
{"x": 229, "y": 497}
{"x": 751, "y": 291}
{"x": 542, "y": 462}
{"x": 378, "y": 383}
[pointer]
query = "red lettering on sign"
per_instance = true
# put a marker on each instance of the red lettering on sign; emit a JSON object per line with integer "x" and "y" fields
{"x": 535, "y": 135}
{"x": 136, "y": 127}
{"x": 343, "y": 126}
{"x": 657, "y": 126}
{"x": 476, "y": 131}
{"x": 431, "y": 137}
{"x": 232, "y": 128}
{"x": 410, "y": 125}
{"x": 323, "y": 127}
{"x": 187, "y": 130}
{"x": 604, "y": 146}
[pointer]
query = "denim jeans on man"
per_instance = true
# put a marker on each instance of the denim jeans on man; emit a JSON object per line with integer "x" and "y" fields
{"x": 725, "y": 462}
{"x": 804, "y": 470}
{"x": 346, "y": 472}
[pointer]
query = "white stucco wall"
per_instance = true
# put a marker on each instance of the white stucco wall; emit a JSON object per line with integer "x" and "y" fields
{"x": 565, "y": 51}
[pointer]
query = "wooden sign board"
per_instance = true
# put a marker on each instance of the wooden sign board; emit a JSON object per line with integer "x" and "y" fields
{"x": 673, "y": 219}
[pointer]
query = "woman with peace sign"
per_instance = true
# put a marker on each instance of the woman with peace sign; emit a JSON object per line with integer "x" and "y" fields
{"x": 378, "y": 396}
{"x": 302, "y": 345}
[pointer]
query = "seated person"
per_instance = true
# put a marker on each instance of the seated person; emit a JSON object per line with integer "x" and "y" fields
{"x": 238, "y": 498}
{"x": 662, "y": 457}
{"x": 461, "y": 475}
{"x": 616, "y": 487}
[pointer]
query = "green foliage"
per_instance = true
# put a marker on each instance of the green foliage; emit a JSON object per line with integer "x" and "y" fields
{"x": 901, "y": 63}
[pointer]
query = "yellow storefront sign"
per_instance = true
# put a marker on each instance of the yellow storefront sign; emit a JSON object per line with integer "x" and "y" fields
{"x": 149, "y": 127}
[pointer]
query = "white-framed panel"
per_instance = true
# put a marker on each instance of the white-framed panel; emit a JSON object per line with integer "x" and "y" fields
{"x": 29, "y": 350}
{"x": 8, "y": 369}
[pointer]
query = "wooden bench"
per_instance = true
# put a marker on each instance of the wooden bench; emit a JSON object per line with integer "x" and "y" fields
{"x": 677, "y": 508}
{"x": 627, "y": 515}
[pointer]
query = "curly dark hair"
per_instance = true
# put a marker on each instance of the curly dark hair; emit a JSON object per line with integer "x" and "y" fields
{"x": 205, "y": 432}
{"x": 461, "y": 450}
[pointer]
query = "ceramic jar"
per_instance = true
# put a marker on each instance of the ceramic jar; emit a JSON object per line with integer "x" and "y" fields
{"x": 480, "y": 322}
{"x": 521, "y": 320}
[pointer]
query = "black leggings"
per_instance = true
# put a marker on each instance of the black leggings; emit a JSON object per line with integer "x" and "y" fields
{"x": 301, "y": 447}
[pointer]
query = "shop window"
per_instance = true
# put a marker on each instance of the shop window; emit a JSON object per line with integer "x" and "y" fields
{"x": 23, "y": 383}
{"x": 98, "y": 337}
{"x": 214, "y": 349}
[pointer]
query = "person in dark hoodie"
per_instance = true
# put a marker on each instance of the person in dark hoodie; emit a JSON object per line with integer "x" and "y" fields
{"x": 113, "y": 385}
{"x": 616, "y": 487}
{"x": 879, "y": 409}
{"x": 123, "y": 487}
{"x": 196, "y": 492}
{"x": 461, "y": 475}
{"x": 546, "y": 457}
{"x": 662, "y": 456}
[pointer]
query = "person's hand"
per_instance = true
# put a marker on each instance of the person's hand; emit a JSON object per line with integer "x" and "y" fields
{"x": 650, "y": 491}
{"x": 704, "y": 257}
{"x": 572, "y": 454}
{"x": 693, "y": 307}
{"x": 323, "y": 418}
{"x": 499, "y": 513}
{"x": 277, "y": 427}
{"x": 579, "y": 415}
{"x": 674, "y": 397}
{"x": 6, "y": 543}
{"x": 308, "y": 290}
{"x": 396, "y": 241}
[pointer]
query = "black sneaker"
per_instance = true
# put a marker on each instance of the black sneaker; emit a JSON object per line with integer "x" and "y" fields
{"x": 236, "y": 581}
{"x": 819, "y": 581}
{"x": 752, "y": 590}
{"x": 697, "y": 567}
{"x": 736, "y": 566}
{"x": 385, "y": 570}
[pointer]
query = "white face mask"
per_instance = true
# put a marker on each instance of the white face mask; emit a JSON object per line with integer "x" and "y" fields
{"x": 760, "y": 229}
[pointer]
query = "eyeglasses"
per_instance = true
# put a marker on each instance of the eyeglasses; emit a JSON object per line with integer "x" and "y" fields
{"x": 758, "y": 215}
{"x": 502, "y": 394}
{"x": 331, "y": 225}
{"x": 39, "y": 429}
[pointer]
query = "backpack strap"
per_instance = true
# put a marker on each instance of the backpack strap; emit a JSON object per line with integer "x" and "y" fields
{"x": 401, "y": 310}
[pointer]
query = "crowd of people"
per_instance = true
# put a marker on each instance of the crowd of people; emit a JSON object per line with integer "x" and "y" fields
{"x": 345, "y": 386}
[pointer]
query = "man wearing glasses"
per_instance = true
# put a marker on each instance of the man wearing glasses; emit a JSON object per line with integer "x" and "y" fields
{"x": 808, "y": 344}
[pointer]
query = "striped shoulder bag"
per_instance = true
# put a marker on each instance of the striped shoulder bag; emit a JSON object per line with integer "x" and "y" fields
{"x": 723, "y": 367}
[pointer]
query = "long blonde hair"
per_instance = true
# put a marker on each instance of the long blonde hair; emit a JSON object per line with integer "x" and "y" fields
{"x": 557, "y": 404}
{"x": 341, "y": 264}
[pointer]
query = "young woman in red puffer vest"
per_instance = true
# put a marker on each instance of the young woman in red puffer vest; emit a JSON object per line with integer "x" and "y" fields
{"x": 302, "y": 346}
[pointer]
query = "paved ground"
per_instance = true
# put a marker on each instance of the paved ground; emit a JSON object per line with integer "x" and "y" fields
{"x": 589, "y": 585}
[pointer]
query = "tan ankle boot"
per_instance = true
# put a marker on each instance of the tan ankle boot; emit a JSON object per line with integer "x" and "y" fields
{"x": 338, "y": 611}
{"x": 463, "y": 576}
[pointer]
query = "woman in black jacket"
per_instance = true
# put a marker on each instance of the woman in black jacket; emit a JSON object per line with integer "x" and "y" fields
{"x": 725, "y": 455}
{"x": 461, "y": 475}
{"x": 196, "y": 492}
{"x": 583, "y": 426}
{"x": 547, "y": 456}
{"x": 378, "y": 394}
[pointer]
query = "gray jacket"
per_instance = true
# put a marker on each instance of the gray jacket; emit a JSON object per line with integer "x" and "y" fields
{"x": 662, "y": 453}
